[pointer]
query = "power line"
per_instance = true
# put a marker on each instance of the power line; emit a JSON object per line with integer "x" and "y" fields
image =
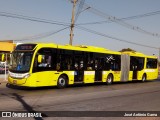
{"x": 111, "y": 37}
{"x": 59, "y": 23}
{"x": 81, "y": 3}
{"x": 12, "y": 15}
{"x": 125, "y": 18}
{"x": 120, "y": 22}
{"x": 35, "y": 19}
{"x": 142, "y": 15}
{"x": 43, "y": 35}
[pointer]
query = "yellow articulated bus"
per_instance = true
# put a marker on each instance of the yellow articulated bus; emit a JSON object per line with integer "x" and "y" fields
{"x": 36, "y": 65}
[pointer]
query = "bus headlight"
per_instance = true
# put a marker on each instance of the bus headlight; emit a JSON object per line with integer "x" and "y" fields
{"x": 18, "y": 75}
{"x": 27, "y": 75}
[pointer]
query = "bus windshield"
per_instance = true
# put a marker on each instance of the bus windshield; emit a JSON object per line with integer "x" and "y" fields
{"x": 21, "y": 61}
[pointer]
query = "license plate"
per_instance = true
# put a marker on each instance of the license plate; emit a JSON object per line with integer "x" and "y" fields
{"x": 14, "y": 81}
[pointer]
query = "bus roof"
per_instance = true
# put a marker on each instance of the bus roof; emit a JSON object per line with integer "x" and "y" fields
{"x": 77, "y": 47}
{"x": 138, "y": 54}
{"x": 88, "y": 49}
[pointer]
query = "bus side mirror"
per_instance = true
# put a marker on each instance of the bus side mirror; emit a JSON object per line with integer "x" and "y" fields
{"x": 2, "y": 57}
{"x": 39, "y": 58}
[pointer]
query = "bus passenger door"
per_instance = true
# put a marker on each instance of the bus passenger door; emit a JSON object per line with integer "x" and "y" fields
{"x": 98, "y": 69}
{"x": 134, "y": 72}
{"x": 78, "y": 76}
{"x": 136, "y": 64}
{"x": 98, "y": 75}
{"x": 78, "y": 67}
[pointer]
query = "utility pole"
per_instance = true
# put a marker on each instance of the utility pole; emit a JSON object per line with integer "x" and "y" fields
{"x": 159, "y": 55}
{"x": 72, "y": 22}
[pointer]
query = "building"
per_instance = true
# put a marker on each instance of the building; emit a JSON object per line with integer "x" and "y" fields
{"x": 7, "y": 46}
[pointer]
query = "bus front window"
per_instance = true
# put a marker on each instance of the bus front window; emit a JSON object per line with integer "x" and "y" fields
{"x": 21, "y": 61}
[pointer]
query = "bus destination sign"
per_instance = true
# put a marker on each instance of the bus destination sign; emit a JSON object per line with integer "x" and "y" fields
{"x": 25, "y": 47}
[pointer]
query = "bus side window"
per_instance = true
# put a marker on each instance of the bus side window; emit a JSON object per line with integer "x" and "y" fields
{"x": 151, "y": 63}
{"x": 96, "y": 64}
{"x": 90, "y": 61}
{"x": 116, "y": 63}
{"x": 78, "y": 61}
{"x": 47, "y": 60}
{"x": 76, "y": 65}
{"x": 64, "y": 60}
{"x": 99, "y": 63}
{"x": 58, "y": 66}
{"x": 90, "y": 65}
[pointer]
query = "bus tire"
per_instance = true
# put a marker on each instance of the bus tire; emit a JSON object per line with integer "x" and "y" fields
{"x": 109, "y": 80}
{"x": 144, "y": 78}
{"x": 62, "y": 82}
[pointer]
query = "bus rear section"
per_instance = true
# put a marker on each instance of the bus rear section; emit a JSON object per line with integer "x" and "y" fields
{"x": 137, "y": 66}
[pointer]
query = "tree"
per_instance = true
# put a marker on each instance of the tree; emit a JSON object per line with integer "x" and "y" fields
{"x": 127, "y": 49}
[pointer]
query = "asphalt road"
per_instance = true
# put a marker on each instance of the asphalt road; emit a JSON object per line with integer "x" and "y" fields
{"x": 133, "y": 96}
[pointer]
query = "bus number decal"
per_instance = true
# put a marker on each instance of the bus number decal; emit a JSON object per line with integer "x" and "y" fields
{"x": 89, "y": 72}
{"x": 149, "y": 70}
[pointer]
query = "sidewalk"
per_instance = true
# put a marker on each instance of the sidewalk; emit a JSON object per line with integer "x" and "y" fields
{"x": 2, "y": 78}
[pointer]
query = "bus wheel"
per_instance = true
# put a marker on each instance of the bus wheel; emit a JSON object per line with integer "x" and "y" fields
{"x": 62, "y": 82}
{"x": 109, "y": 79}
{"x": 144, "y": 78}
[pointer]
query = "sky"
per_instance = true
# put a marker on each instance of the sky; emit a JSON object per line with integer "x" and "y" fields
{"x": 61, "y": 11}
